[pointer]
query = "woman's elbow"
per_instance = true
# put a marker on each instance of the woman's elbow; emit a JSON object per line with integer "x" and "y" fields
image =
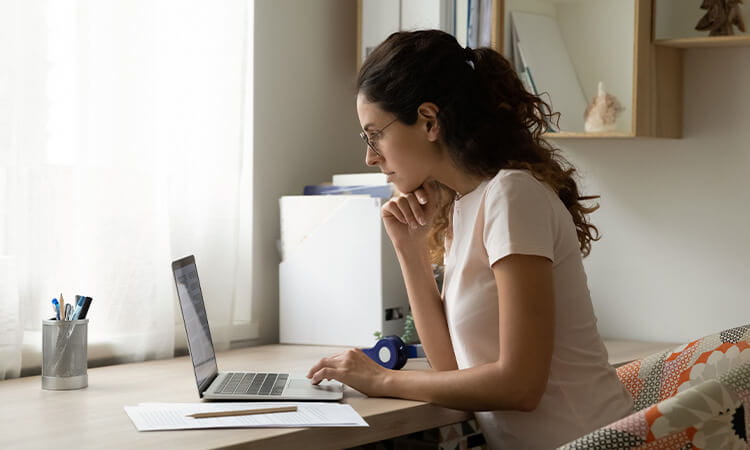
{"x": 530, "y": 400}
{"x": 525, "y": 392}
{"x": 520, "y": 399}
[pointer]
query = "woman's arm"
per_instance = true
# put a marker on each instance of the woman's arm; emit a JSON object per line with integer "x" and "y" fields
{"x": 516, "y": 381}
{"x": 427, "y": 307}
{"x": 518, "y": 378}
{"x": 407, "y": 219}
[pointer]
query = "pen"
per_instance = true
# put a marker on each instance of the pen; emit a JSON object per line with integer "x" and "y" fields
{"x": 243, "y": 412}
{"x": 56, "y": 306}
{"x": 68, "y": 310}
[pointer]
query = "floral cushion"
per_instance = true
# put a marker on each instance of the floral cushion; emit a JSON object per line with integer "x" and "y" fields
{"x": 691, "y": 397}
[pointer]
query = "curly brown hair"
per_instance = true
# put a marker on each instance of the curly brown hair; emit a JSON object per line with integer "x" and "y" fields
{"x": 488, "y": 120}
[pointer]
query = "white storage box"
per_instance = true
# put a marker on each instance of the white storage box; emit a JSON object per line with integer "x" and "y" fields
{"x": 339, "y": 279}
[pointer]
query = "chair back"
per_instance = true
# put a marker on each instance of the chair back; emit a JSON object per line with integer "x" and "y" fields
{"x": 694, "y": 396}
{"x": 661, "y": 375}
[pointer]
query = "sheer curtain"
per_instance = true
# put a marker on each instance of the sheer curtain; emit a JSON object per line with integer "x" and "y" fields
{"x": 125, "y": 138}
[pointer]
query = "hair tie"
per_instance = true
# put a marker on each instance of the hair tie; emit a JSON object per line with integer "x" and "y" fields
{"x": 469, "y": 55}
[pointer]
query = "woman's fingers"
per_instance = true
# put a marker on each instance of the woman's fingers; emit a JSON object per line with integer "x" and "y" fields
{"x": 353, "y": 368}
{"x": 324, "y": 362}
{"x": 405, "y": 208}
{"x": 326, "y": 368}
{"x": 330, "y": 368}
{"x": 391, "y": 208}
{"x": 422, "y": 196}
{"x": 428, "y": 195}
{"x": 326, "y": 373}
{"x": 432, "y": 191}
{"x": 416, "y": 209}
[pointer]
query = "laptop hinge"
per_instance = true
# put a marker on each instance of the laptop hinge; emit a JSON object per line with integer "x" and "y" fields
{"x": 210, "y": 380}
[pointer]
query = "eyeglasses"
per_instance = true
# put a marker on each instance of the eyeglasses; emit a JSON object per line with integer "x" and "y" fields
{"x": 370, "y": 140}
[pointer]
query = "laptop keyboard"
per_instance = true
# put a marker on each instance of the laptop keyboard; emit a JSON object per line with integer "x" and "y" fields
{"x": 241, "y": 383}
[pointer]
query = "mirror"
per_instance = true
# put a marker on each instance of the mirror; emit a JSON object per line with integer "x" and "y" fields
{"x": 563, "y": 50}
{"x": 568, "y": 48}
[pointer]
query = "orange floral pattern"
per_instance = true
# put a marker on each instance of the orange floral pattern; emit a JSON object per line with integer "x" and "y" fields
{"x": 692, "y": 397}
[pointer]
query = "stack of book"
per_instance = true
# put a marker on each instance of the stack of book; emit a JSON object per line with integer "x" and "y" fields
{"x": 372, "y": 184}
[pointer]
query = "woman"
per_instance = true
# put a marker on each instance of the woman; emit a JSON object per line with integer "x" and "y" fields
{"x": 513, "y": 336}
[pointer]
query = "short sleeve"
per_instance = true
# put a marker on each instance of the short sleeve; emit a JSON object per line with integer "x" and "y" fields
{"x": 518, "y": 218}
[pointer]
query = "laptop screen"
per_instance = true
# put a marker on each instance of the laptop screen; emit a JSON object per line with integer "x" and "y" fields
{"x": 196, "y": 322}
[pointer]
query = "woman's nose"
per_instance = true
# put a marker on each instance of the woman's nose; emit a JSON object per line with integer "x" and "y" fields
{"x": 371, "y": 158}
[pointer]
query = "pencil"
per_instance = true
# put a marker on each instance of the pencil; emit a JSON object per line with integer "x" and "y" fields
{"x": 243, "y": 412}
{"x": 62, "y": 307}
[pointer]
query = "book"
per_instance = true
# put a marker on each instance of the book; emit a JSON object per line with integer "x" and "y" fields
{"x": 384, "y": 191}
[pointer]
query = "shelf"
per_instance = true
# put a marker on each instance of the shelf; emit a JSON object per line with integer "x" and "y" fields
{"x": 586, "y": 135}
{"x": 706, "y": 42}
{"x": 656, "y": 105}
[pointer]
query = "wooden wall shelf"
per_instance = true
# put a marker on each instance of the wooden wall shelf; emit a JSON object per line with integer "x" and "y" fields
{"x": 706, "y": 42}
{"x": 656, "y": 106}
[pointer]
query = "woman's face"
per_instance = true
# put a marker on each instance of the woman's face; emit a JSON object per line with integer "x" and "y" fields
{"x": 406, "y": 153}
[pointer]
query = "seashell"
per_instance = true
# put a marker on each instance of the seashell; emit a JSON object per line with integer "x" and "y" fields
{"x": 602, "y": 112}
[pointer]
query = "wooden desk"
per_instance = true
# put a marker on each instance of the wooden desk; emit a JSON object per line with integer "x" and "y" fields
{"x": 94, "y": 417}
{"x": 622, "y": 351}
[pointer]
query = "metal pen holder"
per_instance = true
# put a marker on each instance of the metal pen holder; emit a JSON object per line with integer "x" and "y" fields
{"x": 64, "y": 354}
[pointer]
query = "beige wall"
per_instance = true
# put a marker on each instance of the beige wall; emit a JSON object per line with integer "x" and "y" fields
{"x": 673, "y": 261}
{"x": 305, "y": 121}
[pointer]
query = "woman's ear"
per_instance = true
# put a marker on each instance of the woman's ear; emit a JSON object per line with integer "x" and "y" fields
{"x": 427, "y": 117}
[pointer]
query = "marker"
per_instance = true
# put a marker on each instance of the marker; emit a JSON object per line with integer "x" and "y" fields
{"x": 85, "y": 309}
{"x": 80, "y": 299}
{"x": 56, "y": 306}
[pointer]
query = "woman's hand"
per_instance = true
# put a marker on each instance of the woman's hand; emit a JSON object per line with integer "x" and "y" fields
{"x": 353, "y": 368}
{"x": 408, "y": 217}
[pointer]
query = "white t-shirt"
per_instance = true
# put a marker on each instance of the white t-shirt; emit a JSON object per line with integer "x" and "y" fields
{"x": 514, "y": 213}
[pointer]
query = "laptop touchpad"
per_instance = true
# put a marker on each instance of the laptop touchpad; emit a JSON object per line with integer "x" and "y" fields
{"x": 332, "y": 386}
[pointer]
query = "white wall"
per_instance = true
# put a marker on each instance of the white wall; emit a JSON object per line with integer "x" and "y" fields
{"x": 306, "y": 126}
{"x": 673, "y": 261}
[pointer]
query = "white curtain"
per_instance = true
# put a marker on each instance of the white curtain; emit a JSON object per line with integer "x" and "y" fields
{"x": 124, "y": 144}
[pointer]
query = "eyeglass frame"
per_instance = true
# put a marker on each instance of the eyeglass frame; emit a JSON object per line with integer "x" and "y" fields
{"x": 370, "y": 141}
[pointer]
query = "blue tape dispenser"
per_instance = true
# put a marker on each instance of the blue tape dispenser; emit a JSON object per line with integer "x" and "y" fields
{"x": 391, "y": 352}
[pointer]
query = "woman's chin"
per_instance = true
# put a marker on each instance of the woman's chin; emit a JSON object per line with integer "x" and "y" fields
{"x": 408, "y": 187}
{"x": 404, "y": 188}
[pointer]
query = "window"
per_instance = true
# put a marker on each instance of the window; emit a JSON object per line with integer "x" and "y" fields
{"x": 125, "y": 143}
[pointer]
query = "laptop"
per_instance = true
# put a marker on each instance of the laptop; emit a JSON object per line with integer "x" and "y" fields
{"x": 215, "y": 385}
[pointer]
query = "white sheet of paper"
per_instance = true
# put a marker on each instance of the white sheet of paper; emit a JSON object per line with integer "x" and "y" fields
{"x": 173, "y": 416}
